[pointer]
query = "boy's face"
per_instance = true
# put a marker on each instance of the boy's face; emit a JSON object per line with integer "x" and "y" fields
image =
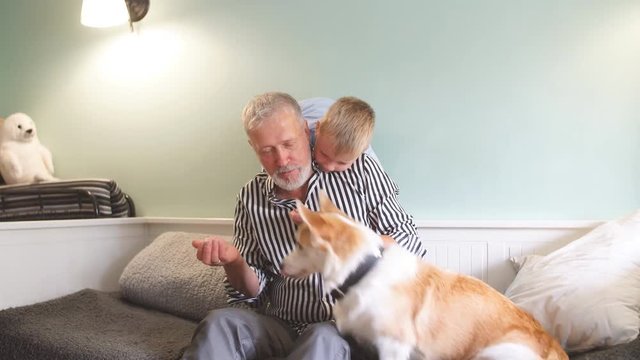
{"x": 327, "y": 158}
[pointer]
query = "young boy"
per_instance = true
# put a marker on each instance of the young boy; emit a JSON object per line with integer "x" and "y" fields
{"x": 340, "y": 134}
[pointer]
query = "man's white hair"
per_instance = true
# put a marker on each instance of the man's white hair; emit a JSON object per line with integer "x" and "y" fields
{"x": 264, "y": 105}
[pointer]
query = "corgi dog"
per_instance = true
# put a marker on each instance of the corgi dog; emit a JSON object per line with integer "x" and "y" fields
{"x": 402, "y": 304}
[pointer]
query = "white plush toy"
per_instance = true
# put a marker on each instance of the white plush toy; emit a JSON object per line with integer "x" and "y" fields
{"x": 23, "y": 160}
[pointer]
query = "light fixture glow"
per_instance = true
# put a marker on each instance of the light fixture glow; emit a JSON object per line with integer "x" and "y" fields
{"x": 104, "y": 13}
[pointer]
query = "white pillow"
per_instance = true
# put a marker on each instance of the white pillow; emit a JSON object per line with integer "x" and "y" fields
{"x": 586, "y": 294}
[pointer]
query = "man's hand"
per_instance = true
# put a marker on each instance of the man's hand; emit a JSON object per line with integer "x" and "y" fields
{"x": 215, "y": 251}
{"x": 295, "y": 217}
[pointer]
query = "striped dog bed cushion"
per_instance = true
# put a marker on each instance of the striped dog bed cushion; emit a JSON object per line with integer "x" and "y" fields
{"x": 64, "y": 199}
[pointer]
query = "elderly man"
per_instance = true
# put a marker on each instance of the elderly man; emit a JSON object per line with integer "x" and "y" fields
{"x": 292, "y": 317}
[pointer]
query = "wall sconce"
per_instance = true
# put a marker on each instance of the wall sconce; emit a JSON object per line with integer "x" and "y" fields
{"x": 105, "y": 13}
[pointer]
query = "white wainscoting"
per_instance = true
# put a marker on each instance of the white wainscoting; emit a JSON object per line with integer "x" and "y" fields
{"x": 40, "y": 260}
{"x": 482, "y": 249}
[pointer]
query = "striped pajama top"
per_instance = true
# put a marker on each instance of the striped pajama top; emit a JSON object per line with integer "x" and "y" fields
{"x": 264, "y": 234}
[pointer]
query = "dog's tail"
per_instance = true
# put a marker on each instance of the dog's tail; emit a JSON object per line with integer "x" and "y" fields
{"x": 556, "y": 352}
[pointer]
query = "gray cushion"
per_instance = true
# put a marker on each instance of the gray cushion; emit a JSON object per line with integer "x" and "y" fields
{"x": 167, "y": 276}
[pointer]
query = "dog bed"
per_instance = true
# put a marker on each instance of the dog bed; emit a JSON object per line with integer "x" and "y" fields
{"x": 92, "y": 325}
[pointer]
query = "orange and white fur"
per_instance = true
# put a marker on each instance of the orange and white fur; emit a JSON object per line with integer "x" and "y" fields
{"x": 404, "y": 304}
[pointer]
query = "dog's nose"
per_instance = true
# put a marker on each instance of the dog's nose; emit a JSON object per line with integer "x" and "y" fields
{"x": 29, "y": 131}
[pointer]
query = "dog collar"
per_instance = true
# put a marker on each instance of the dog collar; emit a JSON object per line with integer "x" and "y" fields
{"x": 363, "y": 269}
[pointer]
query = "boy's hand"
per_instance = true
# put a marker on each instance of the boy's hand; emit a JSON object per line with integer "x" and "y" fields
{"x": 295, "y": 217}
{"x": 215, "y": 251}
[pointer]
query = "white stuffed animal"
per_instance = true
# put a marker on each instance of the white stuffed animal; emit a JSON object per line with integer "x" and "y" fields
{"x": 23, "y": 160}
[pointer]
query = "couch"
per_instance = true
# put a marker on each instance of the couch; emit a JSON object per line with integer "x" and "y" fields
{"x": 164, "y": 292}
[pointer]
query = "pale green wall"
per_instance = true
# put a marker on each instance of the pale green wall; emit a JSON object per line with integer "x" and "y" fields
{"x": 486, "y": 109}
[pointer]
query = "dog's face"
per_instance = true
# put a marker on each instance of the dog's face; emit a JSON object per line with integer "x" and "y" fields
{"x": 325, "y": 238}
{"x": 19, "y": 127}
{"x": 309, "y": 257}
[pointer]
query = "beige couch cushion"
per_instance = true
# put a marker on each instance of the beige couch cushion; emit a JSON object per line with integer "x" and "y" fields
{"x": 167, "y": 276}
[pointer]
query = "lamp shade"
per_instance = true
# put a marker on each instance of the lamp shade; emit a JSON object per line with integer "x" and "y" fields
{"x": 103, "y": 13}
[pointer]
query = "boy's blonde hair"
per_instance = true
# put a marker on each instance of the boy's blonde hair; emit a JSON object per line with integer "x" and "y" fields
{"x": 349, "y": 122}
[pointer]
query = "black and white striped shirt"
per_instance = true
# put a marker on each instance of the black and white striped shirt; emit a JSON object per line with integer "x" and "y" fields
{"x": 264, "y": 234}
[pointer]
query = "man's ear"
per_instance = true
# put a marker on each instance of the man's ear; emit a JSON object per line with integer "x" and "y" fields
{"x": 307, "y": 131}
{"x": 317, "y": 129}
{"x": 326, "y": 205}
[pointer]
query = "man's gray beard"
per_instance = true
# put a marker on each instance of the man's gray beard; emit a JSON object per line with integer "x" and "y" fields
{"x": 305, "y": 173}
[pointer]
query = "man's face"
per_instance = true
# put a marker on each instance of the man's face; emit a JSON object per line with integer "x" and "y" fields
{"x": 282, "y": 145}
{"x": 326, "y": 157}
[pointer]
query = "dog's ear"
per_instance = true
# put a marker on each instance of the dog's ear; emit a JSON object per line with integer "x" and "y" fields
{"x": 312, "y": 219}
{"x": 326, "y": 205}
{"x": 315, "y": 223}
